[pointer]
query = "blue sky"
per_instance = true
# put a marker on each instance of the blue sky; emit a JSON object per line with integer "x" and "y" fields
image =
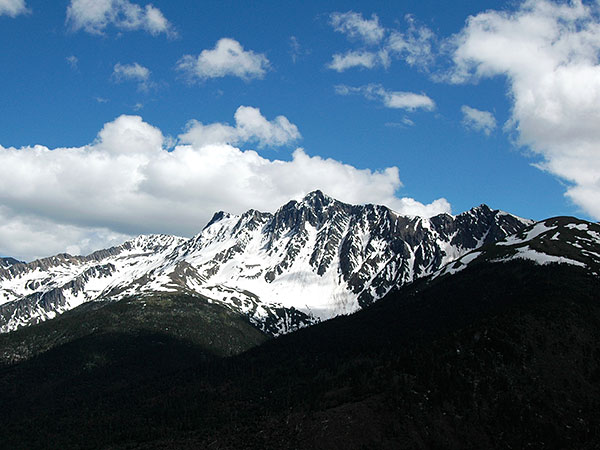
{"x": 121, "y": 117}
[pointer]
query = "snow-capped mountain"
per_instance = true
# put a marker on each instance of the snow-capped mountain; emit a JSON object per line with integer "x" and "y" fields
{"x": 310, "y": 261}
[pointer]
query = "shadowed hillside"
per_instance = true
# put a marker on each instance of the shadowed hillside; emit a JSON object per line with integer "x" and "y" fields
{"x": 496, "y": 356}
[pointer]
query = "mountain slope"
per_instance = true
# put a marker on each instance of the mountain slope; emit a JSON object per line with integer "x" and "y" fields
{"x": 500, "y": 354}
{"x": 209, "y": 328}
{"x": 310, "y": 261}
{"x": 8, "y": 262}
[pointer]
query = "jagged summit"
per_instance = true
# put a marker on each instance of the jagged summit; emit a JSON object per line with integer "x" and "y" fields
{"x": 318, "y": 200}
{"x": 317, "y": 194}
{"x": 218, "y": 216}
{"x": 308, "y": 261}
{"x": 482, "y": 207}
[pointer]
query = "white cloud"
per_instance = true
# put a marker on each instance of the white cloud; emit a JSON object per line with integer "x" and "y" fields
{"x": 133, "y": 72}
{"x": 406, "y": 100}
{"x": 478, "y": 120}
{"x": 73, "y": 61}
{"x": 94, "y": 16}
{"x": 12, "y": 8}
{"x": 126, "y": 182}
{"x": 250, "y": 126}
{"x": 404, "y": 123}
{"x": 355, "y": 26}
{"x": 296, "y": 50}
{"x": 341, "y": 62}
{"x": 391, "y": 99}
{"x": 415, "y": 46}
{"x": 227, "y": 58}
{"x": 549, "y": 52}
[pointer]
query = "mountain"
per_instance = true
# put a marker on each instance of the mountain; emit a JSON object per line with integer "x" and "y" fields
{"x": 498, "y": 349}
{"x": 309, "y": 261}
{"x": 559, "y": 240}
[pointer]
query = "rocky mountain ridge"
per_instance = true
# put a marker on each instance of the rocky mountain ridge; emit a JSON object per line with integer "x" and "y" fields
{"x": 309, "y": 261}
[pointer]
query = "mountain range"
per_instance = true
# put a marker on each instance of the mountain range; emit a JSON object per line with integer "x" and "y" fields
{"x": 322, "y": 326}
{"x": 309, "y": 261}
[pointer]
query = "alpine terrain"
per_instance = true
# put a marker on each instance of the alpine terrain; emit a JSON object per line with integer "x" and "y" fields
{"x": 309, "y": 261}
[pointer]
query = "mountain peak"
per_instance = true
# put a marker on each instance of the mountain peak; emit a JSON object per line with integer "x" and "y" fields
{"x": 318, "y": 201}
{"x": 482, "y": 208}
{"x": 218, "y": 216}
{"x": 316, "y": 194}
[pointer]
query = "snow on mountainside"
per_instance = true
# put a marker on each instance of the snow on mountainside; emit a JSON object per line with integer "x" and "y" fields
{"x": 310, "y": 261}
{"x": 560, "y": 240}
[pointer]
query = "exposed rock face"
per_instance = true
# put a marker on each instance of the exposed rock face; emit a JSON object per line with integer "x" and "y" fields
{"x": 309, "y": 261}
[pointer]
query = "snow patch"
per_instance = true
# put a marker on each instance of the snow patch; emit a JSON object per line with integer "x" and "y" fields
{"x": 580, "y": 226}
{"x": 538, "y": 229}
{"x": 541, "y": 258}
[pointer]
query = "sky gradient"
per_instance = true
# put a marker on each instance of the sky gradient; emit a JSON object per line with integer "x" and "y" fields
{"x": 123, "y": 117}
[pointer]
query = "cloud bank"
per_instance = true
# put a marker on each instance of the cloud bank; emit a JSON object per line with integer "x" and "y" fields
{"x": 549, "y": 52}
{"x": 126, "y": 183}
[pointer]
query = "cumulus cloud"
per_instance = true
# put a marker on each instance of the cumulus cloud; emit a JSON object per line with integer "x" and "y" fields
{"x": 355, "y": 26}
{"x": 478, "y": 120}
{"x": 126, "y": 182}
{"x": 94, "y": 16}
{"x": 391, "y": 99}
{"x": 381, "y": 45}
{"x": 227, "y": 58}
{"x": 549, "y": 52}
{"x": 250, "y": 126}
{"x": 133, "y": 72}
